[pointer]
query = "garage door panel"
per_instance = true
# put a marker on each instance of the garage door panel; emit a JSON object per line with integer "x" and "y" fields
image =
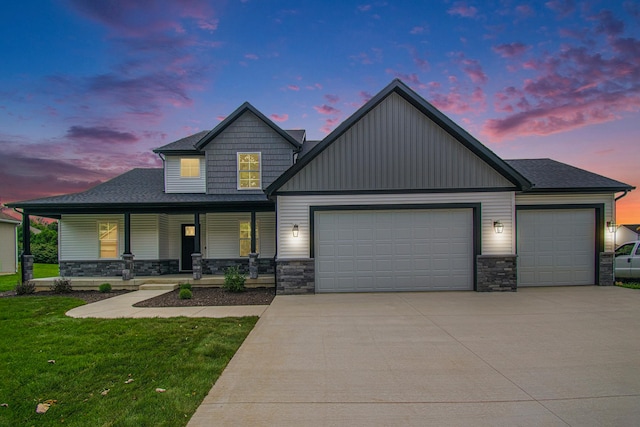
{"x": 395, "y": 250}
{"x": 556, "y": 247}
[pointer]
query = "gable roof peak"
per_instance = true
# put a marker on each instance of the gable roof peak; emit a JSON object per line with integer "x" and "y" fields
{"x": 246, "y": 106}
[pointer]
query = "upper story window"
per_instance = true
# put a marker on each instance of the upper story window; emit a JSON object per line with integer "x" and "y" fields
{"x": 249, "y": 171}
{"x": 190, "y": 167}
{"x": 108, "y": 239}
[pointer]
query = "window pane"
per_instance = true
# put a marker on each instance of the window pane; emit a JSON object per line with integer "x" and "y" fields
{"x": 248, "y": 170}
{"x": 190, "y": 230}
{"x": 108, "y": 239}
{"x": 190, "y": 168}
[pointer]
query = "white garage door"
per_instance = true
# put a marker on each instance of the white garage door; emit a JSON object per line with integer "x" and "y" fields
{"x": 556, "y": 247}
{"x": 394, "y": 250}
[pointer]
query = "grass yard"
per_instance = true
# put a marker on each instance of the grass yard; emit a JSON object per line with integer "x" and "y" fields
{"x": 629, "y": 284}
{"x": 8, "y": 282}
{"x": 184, "y": 356}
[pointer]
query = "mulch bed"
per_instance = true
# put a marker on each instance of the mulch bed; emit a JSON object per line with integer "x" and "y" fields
{"x": 211, "y": 297}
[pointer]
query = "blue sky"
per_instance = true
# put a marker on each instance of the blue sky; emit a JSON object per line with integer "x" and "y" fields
{"x": 88, "y": 88}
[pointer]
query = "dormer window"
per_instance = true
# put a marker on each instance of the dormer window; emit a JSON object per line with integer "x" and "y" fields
{"x": 249, "y": 171}
{"x": 190, "y": 167}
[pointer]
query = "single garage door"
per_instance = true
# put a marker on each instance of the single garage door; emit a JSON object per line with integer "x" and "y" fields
{"x": 556, "y": 247}
{"x": 394, "y": 250}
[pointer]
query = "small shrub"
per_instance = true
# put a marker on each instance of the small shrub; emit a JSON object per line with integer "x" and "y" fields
{"x": 61, "y": 286}
{"x": 186, "y": 285}
{"x": 26, "y": 288}
{"x": 185, "y": 294}
{"x": 234, "y": 280}
{"x": 105, "y": 288}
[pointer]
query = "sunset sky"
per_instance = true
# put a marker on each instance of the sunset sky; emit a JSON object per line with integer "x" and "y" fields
{"x": 88, "y": 88}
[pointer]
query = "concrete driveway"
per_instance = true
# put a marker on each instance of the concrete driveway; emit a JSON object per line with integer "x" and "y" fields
{"x": 538, "y": 357}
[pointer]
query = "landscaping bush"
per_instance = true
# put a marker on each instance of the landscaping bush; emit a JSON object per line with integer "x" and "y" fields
{"x": 105, "y": 288}
{"x": 61, "y": 286}
{"x": 44, "y": 253}
{"x": 185, "y": 294}
{"x": 186, "y": 285}
{"x": 25, "y": 288}
{"x": 234, "y": 280}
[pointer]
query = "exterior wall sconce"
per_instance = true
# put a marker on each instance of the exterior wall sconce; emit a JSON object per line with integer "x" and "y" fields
{"x": 611, "y": 226}
{"x": 498, "y": 227}
{"x": 295, "y": 230}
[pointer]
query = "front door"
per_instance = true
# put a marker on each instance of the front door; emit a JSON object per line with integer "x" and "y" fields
{"x": 188, "y": 246}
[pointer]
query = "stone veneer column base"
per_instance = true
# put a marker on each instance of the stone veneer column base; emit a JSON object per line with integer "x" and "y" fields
{"x": 128, "y": 272}
{"x": 497, "y": 273}
{"x": 295, "y": 276}
{"x": 27, "y": 267}
{"x": 196, "y": 260}
{"x": 606, "y": 274}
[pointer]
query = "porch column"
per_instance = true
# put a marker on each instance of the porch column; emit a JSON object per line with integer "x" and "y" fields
{"x": 26, "y": 259}
{"x": 127, "y": 256}
{"x": 253, "y": 256}
{"x": 196, "y": 256}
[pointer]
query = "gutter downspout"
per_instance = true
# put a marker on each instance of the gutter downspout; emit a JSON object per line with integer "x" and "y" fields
{"x": 621, "y": 196}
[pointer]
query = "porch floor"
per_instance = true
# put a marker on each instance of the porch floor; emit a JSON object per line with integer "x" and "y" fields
{"x": 93, "y": 283}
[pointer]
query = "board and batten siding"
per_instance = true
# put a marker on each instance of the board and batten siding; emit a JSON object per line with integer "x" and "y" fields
{"x": 223, "y": 234}
{"x": 577, "y": 199}
{"x": 247, "y": 134}
{"x": 395, "y": 147}
{"x": 494, "y": 206}
{"x": 174, "y": 183}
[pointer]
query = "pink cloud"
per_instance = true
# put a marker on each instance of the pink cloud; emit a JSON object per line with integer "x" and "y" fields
{"x": 510, "y": 50}
{"x": 329, "y": 124}
{"x": 251, "y": 56}
{"x": 293, "y": 87}
{"x": 562, "y": 7}
{"x": 364, "y": 7}
{"x": 332, "y": 99}
{"x": 463, "y": 9}
{"x": 473, "y": 70}
{"x": 417, "y": 30}
{"x": 326, "y": 109}
{"x": 525, "y": 10}
{"x": 279, "y": 117}
{"x": 608, "y": 24}
{"x": 411, "y": 79}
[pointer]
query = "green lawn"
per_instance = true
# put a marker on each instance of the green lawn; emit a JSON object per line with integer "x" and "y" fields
{"x": 629, "y": 284}
{"x": 9, "y": 282}
{"x": 184, "y": 356}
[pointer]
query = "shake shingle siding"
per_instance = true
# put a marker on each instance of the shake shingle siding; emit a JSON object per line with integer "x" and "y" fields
{"x": 247, "y": 134}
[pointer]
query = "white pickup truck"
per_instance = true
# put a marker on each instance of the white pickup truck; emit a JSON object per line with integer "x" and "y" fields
{"x": 627, "y": 265}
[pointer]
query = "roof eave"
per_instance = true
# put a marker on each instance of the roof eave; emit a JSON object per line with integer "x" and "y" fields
{"x": 590, "y": 190}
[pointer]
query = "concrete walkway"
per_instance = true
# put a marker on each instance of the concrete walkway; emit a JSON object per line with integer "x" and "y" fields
{"x": 538, "y": 357}
{"x": 122, "y": 306}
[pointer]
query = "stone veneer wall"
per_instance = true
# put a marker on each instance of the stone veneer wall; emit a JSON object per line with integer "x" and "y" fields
{"x": 98, "y": 268}
{"x": 295, "y": 276}
{"x": 497, "y": 273}
{"x": 113, "y": 268}
{"x": 219, "y": 265}
{"x": 606, "y": 269}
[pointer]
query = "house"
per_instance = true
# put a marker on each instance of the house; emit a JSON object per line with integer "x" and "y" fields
{"x": 8, "y": 244}
{"x": 396, "y": 198}
{"x": 627, "y": 233}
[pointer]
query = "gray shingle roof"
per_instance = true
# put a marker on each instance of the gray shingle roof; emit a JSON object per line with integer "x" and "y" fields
{"x": 138, "y": 188}
{"x": 183, "y": 145}
{"x": 551, "y": 175}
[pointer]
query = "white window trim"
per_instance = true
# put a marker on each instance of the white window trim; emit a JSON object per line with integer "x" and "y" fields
{"x": 259, "y": 187}
{"x": 199, "y": 167}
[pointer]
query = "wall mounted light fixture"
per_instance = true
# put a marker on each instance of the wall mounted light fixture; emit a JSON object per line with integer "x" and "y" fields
{"x": 611, "y": 226}
{"x": 295, "y": 230}
{"x": 498, "y": 227}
